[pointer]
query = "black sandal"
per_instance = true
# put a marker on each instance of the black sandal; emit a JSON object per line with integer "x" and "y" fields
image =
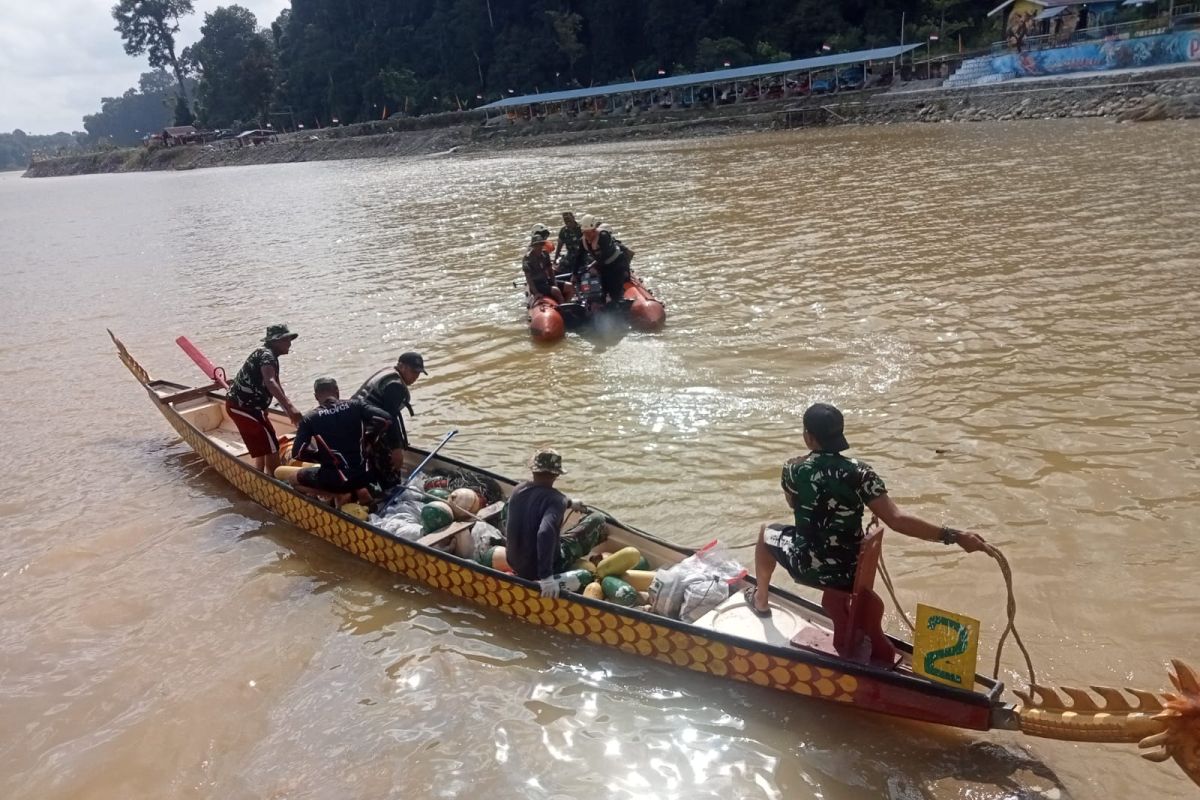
{"x": 748, "y": 594}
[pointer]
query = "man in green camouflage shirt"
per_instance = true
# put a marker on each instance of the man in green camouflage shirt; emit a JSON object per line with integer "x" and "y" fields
{"x": 250, "y": 396}
{"x": 570, "y": 239}
{"x": 829, "y": 493}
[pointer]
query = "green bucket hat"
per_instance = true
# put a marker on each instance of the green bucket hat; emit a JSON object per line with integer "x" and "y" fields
{"x": 547, "y": 460}
{"x": 277, "y": 332}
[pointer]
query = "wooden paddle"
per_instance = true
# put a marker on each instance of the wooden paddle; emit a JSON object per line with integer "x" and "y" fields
{"x": 215, "y": 374}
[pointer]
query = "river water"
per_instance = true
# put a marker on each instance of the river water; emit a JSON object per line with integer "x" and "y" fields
{"x": 1006, "y": 312}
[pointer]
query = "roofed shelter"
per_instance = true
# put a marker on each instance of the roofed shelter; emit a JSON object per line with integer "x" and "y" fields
{"x": 706, "y": 79}
{"x": 180, "y": 134}
{"x": 255, "y": 136}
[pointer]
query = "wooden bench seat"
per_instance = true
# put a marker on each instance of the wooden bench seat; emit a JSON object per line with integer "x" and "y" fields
{"x": 857, "y": 615}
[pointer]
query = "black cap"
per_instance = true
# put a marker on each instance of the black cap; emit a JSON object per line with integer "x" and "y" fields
{"x": 827, "y": 426}
{"x": 413, "y": 360}
{"x": 324, "y": 385}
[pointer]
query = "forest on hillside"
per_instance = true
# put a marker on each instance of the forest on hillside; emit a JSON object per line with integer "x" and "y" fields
{"x": 17, "y": 147}
{"x": 352, "y": 60}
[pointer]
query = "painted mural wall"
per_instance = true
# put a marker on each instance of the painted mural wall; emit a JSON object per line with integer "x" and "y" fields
{"x": 1147, "y": 51}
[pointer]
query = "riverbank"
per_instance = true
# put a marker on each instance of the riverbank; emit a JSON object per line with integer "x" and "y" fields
{"x": 1129, "y": 96}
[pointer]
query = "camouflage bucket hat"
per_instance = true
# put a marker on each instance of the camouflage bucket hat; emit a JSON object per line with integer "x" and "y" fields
{"x": 547, "y": 460}
{"x": 277, "y": 332}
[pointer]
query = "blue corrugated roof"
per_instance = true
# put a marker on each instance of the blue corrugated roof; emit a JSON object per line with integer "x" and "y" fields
{"x": 717, "y": 76}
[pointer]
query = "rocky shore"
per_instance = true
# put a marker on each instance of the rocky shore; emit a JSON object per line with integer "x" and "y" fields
{"x": 1126, "y": 97}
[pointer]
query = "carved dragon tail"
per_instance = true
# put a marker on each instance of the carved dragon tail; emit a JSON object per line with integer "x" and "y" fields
{"x": 129, "y": 361}
{"x": 1166, "y": 724}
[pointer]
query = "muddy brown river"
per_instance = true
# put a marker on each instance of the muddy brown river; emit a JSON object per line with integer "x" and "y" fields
{"x": 1007, "y": 313}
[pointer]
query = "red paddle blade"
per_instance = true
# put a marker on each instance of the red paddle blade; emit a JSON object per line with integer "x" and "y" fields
{"x": 214, "y": 373}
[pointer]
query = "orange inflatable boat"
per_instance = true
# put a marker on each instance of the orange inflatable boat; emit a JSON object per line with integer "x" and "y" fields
{"x": 550, "y": 320}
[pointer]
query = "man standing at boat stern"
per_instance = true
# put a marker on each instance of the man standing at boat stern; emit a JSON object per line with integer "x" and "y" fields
{"x": 250, "y": 396}
{"x": 611, "y": 257}
{"x": 568, "y": 252}
{"x": 829, "y": 493}
{"x": 388, "y": 389}
{"x": 533, "y": 545}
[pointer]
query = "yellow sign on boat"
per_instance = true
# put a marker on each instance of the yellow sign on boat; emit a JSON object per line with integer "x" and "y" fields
{"x": 945, "y": 647}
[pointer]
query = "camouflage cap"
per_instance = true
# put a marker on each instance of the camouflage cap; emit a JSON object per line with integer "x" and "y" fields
{"x": 277, "y": 332}
{"x": 547, "y": 460}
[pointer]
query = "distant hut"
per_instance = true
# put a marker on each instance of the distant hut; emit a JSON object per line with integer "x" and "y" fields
{"x": 180, "y": 134}
{"x": 255, "y": 137}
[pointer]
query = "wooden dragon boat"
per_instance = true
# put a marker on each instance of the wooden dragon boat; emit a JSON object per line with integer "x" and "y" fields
{"x": 729, "y": 642}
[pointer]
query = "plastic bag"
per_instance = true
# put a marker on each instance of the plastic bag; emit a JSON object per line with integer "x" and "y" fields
{"x": 695, "y": 585}
{"x": 402, "y": 514}
{"x": 483, "y": 536}
{"x": 702, "y": 595}
{"x": 403, "y": 518}
{"x": 409, "y": 495}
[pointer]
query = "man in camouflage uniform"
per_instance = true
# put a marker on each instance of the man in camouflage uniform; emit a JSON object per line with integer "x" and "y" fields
{"x": 570, "y": 240}
{"x": 538, "y": 268}
{"x": 250, "y": 396}
{"x": 535, "y": 547}
{"x": 829, "y": 493}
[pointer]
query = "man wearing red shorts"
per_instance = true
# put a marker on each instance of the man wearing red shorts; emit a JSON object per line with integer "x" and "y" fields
{"x": 250, "y": 395}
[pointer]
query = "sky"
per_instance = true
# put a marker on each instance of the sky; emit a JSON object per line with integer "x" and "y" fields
{"x": 59, "y": 57}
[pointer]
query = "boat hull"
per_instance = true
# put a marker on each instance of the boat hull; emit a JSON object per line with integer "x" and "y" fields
{"x": 545, "y": 321}
{"x": 641, "y": 310}
{"x": 646, "y": 312}
{"x": 791, "y": 670}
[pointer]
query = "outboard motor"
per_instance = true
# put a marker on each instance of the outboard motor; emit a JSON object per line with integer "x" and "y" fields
{"x": 590, "y": 288}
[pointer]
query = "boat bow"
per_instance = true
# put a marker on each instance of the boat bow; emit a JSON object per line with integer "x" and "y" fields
{"x": 1167, "y": 724}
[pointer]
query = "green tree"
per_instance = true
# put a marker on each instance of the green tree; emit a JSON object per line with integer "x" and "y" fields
{"x": 146, "y": 109}
{"x": 183, "y": 113}
{"x": 392, "y": 89}
{"x": 257, "y": 83}
{"x": 236, "y": 66}
{"x": 767, "y": 53}
{"x": 671, "y": 27}
{"x": 567, "y": 25}
{"x": 149, "y": 27}
{"x": 716, "y": 53}
{"x": 347, "y": 58}
{"x": 18, "y": 148}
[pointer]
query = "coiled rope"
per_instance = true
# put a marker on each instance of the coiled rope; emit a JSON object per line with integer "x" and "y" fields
{"x": 1011, "y": 627}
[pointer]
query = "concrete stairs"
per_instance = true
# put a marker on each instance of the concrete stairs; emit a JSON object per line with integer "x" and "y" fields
{"x": 976, "y": 72}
